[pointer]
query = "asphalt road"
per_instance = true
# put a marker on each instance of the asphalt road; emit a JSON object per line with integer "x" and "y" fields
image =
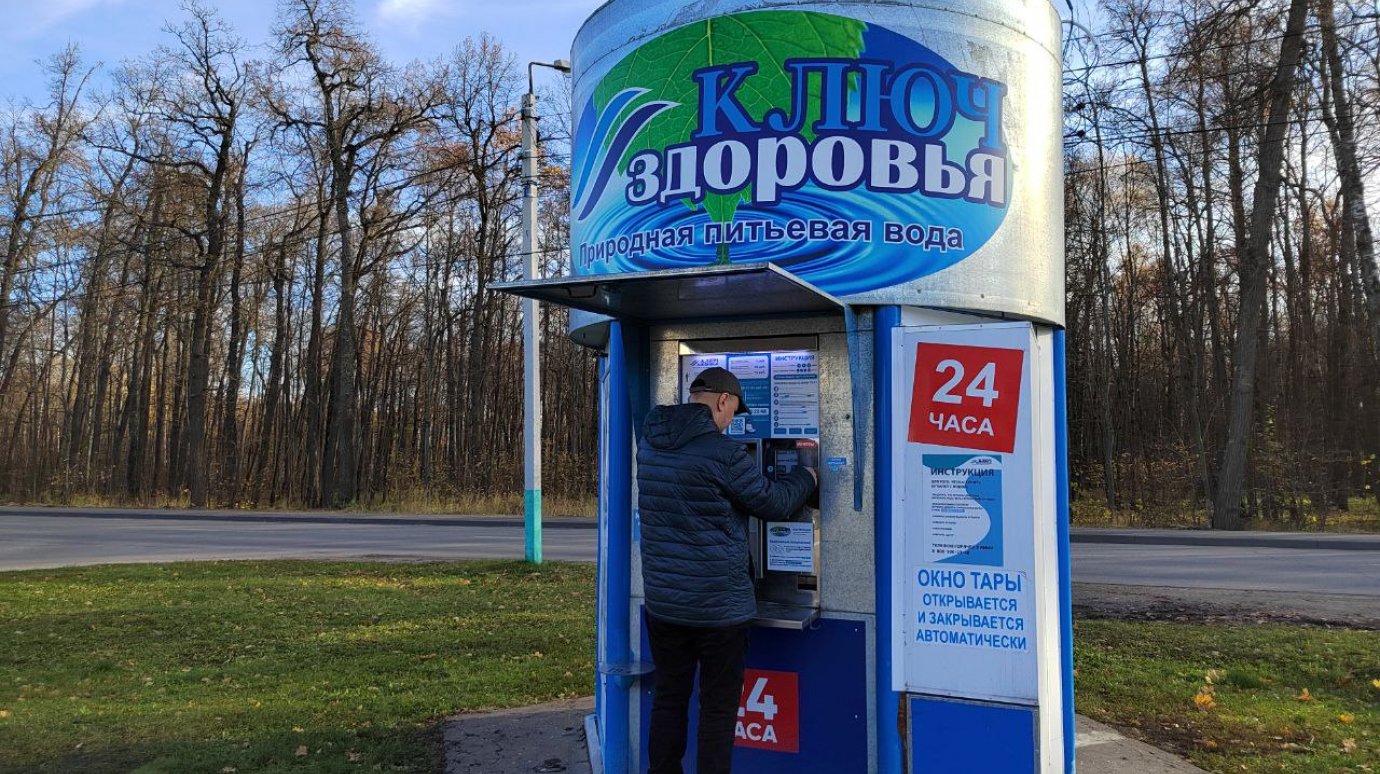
{"x": 38, "y": 541}
{"x": 35, "y": 539}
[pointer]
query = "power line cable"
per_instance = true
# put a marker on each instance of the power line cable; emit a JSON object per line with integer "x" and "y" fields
{"x": 1220, "y": 47}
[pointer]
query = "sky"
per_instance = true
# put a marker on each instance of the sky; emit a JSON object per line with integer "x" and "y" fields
{"x": 109, "y": 31}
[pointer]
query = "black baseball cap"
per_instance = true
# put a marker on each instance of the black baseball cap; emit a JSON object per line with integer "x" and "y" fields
{"x": 718, "y": 379}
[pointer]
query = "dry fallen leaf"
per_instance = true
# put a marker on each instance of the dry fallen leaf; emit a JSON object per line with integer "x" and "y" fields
{"x": 229, "y": 770}
{"x": 352, "y": 756}
{"x": 1304, "y": 695}
{"x": 1375, "y": 684}
{"x": 301, "y": 751}
{"x": 1347, "y": 717}
{"x": 1214, "y": 676}
{"x": 1349, "y": 745}
{"x": 1203, "y": 700}
{"x": 297, "y": 729}
{"x": 4, "y": 713}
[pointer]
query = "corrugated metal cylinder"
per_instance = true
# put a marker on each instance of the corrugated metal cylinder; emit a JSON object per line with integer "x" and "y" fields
{"x": 898, "y": 152}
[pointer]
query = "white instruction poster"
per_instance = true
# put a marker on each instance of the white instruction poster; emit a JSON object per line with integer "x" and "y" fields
{"x": 791, "y": 546}
{"x": 972, "y": 511}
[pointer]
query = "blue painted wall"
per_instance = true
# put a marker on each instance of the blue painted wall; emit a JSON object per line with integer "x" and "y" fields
{"x": 959, "y": 736}
{"x": 831, "y": 660}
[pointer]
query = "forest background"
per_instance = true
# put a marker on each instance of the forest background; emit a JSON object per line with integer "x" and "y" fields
{"x": 259, "y": 275}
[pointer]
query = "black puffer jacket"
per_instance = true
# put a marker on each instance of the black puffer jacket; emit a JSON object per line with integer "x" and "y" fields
{"x": 696, "y": 489}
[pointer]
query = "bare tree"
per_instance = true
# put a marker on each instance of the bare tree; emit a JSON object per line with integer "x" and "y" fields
{"x": 1226, "y": 512}
{"x": 37, "y": 145}
{"x": 202, "y": 105}
{"x": 362, "y": 111}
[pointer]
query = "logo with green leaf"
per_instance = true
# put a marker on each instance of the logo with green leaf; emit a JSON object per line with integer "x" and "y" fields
{"x": 843, "y": 151}
{"x": 662, "y": 71}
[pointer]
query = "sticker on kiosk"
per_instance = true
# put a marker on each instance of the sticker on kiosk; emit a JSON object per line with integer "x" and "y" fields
{"x": 769, "y": 711}
{"x": 966, "y": 396}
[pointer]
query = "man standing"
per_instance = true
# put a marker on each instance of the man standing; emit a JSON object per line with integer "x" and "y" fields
{"x": 696, "y": 490}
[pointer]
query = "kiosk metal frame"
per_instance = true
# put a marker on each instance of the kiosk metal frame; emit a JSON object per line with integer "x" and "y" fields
{"x": 714, "y": 303}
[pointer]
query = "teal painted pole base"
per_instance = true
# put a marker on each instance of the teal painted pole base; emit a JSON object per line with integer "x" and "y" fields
{"x": 531, "y": 517}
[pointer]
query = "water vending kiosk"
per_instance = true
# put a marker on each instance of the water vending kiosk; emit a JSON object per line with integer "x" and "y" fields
{"x": 855, "y": 206}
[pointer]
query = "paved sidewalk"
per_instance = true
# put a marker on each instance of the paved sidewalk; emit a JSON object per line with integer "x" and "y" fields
{"x": 1101, "y": 749}
{"x": 543, "y": 738}
{"x": 550, "y": 738}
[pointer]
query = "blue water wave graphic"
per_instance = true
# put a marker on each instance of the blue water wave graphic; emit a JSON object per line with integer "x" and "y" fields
{"x": 626, "y": 133}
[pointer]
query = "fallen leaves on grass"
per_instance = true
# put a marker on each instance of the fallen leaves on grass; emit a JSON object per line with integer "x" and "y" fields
{"x": 1375, "y": 684}
{"x": 1347, "y": 718}
{"x": 1304, "y": 695}
{"x": 1348, "y": 745}
{"x": 301, "y": 751}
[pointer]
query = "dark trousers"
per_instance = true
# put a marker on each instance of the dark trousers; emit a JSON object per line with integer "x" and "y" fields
{"x": 719, "y": 652}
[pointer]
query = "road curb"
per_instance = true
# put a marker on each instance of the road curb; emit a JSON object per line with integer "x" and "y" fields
{"x": 302, "y": 518}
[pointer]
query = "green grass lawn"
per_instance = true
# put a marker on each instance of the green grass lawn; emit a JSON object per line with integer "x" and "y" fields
{"x": 1254, "y": 714}
{"x": 277, "y": 666}
{"x": 341, "y": 666}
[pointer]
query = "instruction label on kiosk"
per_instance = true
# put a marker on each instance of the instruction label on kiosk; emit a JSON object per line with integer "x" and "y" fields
{"x": 794, "y": 393}
{"x": 963, "y": 546}
{"x": 781, "y": 389}
{"x": 791, "y": 546}
{"x": 965, "y": 508}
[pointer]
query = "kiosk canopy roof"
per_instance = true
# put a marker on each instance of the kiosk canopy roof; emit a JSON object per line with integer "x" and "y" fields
{"x": 672, "y": 295}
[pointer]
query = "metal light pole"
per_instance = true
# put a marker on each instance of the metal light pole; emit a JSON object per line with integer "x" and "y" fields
{"x": 531, "y": 323}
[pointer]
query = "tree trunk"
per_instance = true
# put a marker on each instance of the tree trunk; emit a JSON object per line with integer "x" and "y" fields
{"x": 1342, "y": 127}
{"x": 339, "y": 482}
{"x": 234, "y": 362}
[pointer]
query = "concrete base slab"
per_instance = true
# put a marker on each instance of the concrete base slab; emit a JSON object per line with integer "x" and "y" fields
{"x": 550, "y": 738}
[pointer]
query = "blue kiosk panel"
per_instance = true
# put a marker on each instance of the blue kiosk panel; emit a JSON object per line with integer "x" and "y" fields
{"x": 954, "y": 735}
{"x": 825, "y": 717}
